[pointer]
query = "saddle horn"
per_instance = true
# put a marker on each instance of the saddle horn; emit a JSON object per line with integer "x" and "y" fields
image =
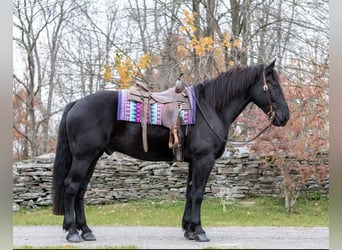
{"x": 180, "y": 86}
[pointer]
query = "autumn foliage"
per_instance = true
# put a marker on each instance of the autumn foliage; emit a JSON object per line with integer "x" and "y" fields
{"x": 126, "y": 68}
{"x": 20, "y": 121}
{"x": 190, "y": 43}
{"x": 304, "y": 138}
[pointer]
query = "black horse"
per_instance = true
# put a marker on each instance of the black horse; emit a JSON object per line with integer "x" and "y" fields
{"x": 89, "y": 127}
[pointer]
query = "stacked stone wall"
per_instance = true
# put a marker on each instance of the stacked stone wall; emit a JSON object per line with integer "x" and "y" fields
{"x": 119, "y": 177}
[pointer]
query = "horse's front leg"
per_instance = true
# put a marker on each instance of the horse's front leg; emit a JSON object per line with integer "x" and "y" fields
{"x": 200, "y": 173}
{"x": 187, "y": 210}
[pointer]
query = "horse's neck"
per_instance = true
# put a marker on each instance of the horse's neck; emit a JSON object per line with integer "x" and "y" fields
{"x": 232, "y": 110}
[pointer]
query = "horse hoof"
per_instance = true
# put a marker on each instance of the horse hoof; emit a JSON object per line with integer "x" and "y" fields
{"x": 73, "y": 238}
{"x": 88, "y": 236}
{"x": 201, "y": 237}
{"x": 189, "y": 235}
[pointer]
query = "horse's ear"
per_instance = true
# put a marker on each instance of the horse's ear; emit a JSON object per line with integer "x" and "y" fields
{"x": 270, "y": 67}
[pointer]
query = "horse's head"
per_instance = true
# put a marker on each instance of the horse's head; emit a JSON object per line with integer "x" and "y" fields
{"x": 268, "y": 95}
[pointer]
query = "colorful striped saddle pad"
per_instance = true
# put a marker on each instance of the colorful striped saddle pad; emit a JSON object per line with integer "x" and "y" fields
{"x": 132, "y": 110}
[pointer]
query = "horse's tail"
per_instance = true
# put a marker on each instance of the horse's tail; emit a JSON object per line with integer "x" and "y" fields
{"x": 62, "y": 164}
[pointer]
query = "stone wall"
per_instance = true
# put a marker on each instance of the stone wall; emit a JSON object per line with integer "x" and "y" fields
{"x": 119, "y": 177}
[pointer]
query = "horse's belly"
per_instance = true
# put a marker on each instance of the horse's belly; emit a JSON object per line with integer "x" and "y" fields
{"x": 130, "y": 142}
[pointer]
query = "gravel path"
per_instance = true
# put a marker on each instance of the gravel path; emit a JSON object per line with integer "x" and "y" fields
{"x": 172, "y": 237}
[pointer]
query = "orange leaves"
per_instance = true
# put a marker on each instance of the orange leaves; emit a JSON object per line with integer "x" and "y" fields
{"x": 222, "y": 48}
{"x": 201, "y": 46}
{"x": 19, "y": 114}
{"x": 144, "y": 61}
{"x": 189, "y": 25}
{"x": 226, "y": 44}
{"x": 189, "y": 17}
{"x": 237, "y": 43}
{"x": 107, "y": 76}
{"x": 181, "y": 52}
{"x": 126, "y": 68}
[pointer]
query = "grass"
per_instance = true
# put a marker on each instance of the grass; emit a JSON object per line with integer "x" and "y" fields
{"x": 264, "y": 211}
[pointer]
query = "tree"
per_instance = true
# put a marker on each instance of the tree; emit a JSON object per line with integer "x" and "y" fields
{"x": 29, "y": 33}
{"x": 303, "y": 139}
{"x": 35, "y": 22}
{"x": 20, "y": 138}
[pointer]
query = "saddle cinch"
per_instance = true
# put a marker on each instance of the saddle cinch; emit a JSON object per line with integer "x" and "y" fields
{"x": 173, "y": 99}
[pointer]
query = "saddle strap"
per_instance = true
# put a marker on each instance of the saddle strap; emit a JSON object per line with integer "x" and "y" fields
{"x": 146, "y": 105}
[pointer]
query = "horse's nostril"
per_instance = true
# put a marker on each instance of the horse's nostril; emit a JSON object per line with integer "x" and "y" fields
{"x": 287, "y": 117}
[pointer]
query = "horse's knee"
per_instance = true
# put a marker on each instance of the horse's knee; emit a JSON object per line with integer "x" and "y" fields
{"x": 71, "y": 189}
{"x": 197, "y": 196}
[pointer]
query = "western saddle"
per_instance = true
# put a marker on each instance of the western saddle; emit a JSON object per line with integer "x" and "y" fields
{"x": 174, "y": 100}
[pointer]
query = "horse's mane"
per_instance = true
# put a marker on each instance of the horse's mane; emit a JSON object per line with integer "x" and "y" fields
{"x": 220, "y": 90}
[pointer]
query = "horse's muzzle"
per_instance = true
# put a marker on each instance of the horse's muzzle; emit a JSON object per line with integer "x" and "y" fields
{"x": 280, "y": 119}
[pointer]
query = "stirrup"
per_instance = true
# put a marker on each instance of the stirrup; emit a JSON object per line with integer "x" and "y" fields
{"x": 173, "y": 138}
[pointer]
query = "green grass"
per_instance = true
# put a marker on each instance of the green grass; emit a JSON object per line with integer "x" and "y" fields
{"x": 265, "y": 211}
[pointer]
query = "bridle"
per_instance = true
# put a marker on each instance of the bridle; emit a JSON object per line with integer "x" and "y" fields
{"x": 270, "y": 114}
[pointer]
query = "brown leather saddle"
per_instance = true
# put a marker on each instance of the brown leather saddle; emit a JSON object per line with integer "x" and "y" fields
{"x": 173, "y": 99}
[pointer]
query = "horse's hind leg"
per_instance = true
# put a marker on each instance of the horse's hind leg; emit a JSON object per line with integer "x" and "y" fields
{"x": 75, "y": 178}
{"x": 81, "y": 222}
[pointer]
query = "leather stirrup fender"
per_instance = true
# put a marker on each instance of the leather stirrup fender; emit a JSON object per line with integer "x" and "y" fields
{"x": 144, "y": 124}
{"x": 173, "y": 137}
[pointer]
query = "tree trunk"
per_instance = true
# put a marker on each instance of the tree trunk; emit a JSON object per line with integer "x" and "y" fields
{"x": 196, "y": 59}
